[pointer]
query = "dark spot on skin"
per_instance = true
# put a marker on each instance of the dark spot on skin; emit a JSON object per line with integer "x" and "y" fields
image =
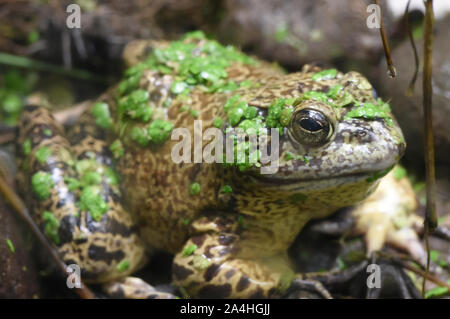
{"x": 258, "y": 294}
{"x": 360, "y": 133}
{"x": 324, "y": 89}
{"x": 66, "y": 229}
{"x": 244, "y": 202}
{"x": 180, "y": 272}
{"x": 226, "y": 239}
{"x": 99, "y": 253}
{"x": 339, "y": 139}
{"x": 198, "y": 240}
{"x": 61, "y": 202}
{"x": 92, "y": 225}
{"x": 211, "y": 272}
{"x": 316, "y": 162}
{"x": 225, "y": 251}
{"x": 301, "y": 87}
{"x": 230, "y": 273}
{"x": 115, "y": 227}
{"x": 90, "y": 275}
{"x": 194, "y": 172}
{"x": 224, "y": 224}
{"x": 207, "y": 253}
{"x": 30, "y": 108}
{"x": 107, "y": 225}
{"x": 155, "y": 95}
{"x": 215, "y": 291}
{"x": 81, "y": 240}
{"x": 152, "y": 296}
{"x": 70, "y": 261}
{"x": 348, "y": 83}
{"x": 243, "y": 283}
{"x": 115, "y": 197}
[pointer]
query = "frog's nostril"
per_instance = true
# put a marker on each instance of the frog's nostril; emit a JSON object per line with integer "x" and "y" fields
{"x": 30, "y": 108}
{"x": 401, "y": 149}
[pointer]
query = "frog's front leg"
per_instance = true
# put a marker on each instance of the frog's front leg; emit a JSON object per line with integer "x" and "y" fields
{"x": 75, "y": 198}
{"x": 388, "y": 216}
{"x": 215, "y": 264}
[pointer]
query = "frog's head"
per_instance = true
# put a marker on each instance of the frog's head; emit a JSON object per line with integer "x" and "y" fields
{"x": 335, "y": 131}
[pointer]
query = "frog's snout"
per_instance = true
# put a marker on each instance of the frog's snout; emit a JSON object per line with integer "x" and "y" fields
{"x": 401, "y": 149}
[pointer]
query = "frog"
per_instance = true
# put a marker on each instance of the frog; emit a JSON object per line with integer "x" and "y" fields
{"x": 109, "y": 191}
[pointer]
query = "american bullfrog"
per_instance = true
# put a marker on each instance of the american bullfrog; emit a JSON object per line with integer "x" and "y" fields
{"x": 113, "y": 189}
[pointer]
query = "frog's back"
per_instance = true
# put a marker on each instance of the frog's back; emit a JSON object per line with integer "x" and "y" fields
{"x": 166, "y": 196}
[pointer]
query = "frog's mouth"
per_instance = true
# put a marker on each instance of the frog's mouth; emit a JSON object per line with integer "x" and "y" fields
{"x": 271, "y": 180}
{"x": 319, "y": 182}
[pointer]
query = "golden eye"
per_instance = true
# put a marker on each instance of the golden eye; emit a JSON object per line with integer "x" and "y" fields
{"x": 311, "y": 127}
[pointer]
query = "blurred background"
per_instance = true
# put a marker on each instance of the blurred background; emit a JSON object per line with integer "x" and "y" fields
{"x": 41, "y": 58}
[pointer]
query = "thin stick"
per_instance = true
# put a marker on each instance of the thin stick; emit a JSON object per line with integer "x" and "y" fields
{"x": 390, "y": 65}
{"x": 410, "y": 90}
{"x": 403, "y": 262}
{"x": 430, "y": 215}
{"x": 426, "y": 275}
{"x": 17, "y": 204}
{"x": 23, "y": 62}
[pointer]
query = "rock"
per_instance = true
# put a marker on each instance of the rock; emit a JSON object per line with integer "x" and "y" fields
{"x": 297, "y": 32}
{"x": 408, "y": 109}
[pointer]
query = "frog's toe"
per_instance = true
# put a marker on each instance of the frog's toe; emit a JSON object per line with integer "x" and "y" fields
{"x": 134, "y": 288}
{"x": 309, "y": 285}
{"x": 407, "y": 239}
{"x": 378, "y": 234}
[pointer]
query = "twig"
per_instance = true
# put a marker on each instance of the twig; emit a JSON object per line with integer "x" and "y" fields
{"x": 430, "y": 215}
{"x": 410, "y": 90}
{"x": 84, "y": 292}
{"x": 390, "y": 65}
{"x": 23, "y": 62}
{"x": 403, "y": 261}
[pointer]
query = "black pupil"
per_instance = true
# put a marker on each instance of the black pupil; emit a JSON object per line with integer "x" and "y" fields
{"x": 310, "y": 125}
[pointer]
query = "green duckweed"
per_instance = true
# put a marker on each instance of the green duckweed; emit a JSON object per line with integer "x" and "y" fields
{"x": 51, "y": 226}
{"x": 42, "y": 183}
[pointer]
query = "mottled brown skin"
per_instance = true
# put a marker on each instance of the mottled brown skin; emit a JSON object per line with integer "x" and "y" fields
{"x": 242, "y": 236}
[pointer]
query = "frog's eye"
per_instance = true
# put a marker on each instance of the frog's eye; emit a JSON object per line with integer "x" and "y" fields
{"x": 311, "y": 127}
